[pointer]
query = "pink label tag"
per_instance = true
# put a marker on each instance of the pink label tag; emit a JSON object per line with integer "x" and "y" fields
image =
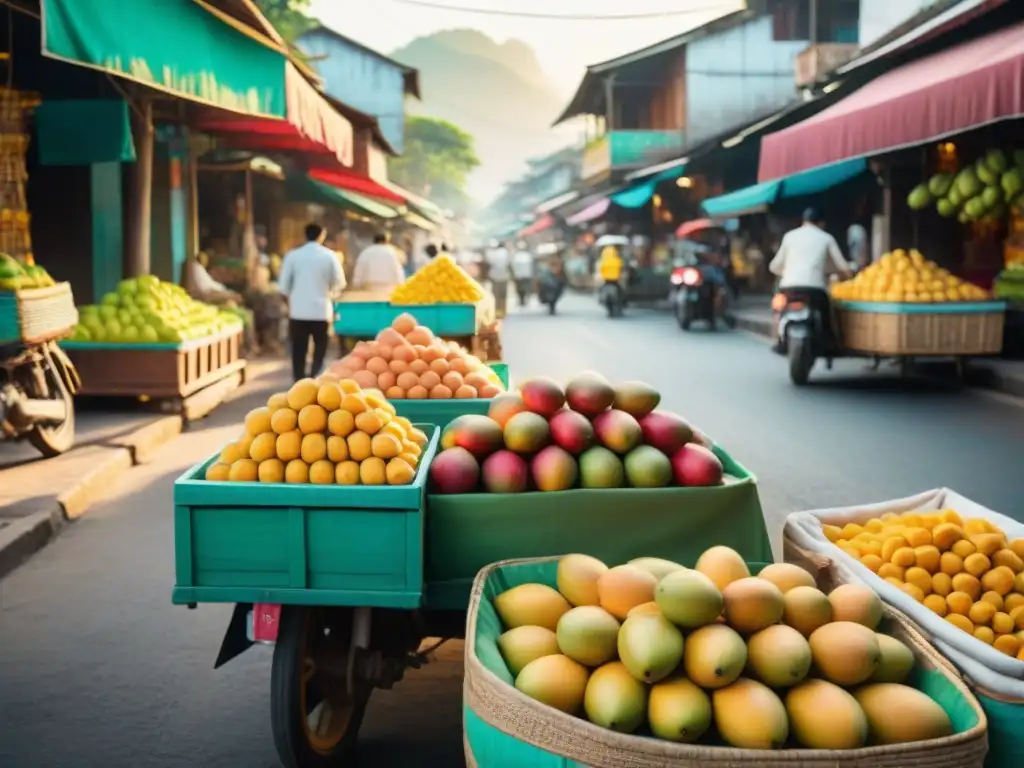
{"x": 266, "y": 620}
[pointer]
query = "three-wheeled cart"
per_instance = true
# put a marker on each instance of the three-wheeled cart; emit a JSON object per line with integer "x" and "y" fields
{"x": 347, "y": 582}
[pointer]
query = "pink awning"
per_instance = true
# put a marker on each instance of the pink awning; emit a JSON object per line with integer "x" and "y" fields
{"x": 591, "y": 212}
{"x": 315, "y": 119}
{"x": 963, "y": 87}
{"x": 693, "y": 226}
{"x": 544, "y": 222}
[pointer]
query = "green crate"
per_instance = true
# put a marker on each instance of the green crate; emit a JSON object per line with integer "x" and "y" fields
{"x": 440, "y": 413}
{"x": 300, "y": 544}
{"x": 466, "y": 532}
{"x": 365, "y": 319}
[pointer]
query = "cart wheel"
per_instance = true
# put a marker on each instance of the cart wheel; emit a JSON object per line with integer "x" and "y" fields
{"x": 315, "y": 720}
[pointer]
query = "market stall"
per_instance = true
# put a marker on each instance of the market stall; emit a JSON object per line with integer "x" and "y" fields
{"x": 588, "y": 466}
{"x": 149, "y": 340}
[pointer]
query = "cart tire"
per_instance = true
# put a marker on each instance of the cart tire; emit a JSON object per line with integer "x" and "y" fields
{"x": 52, "y": 441}
{"x": 290, "y": 710}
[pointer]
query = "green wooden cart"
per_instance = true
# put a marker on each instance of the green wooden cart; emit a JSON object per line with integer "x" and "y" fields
{"x": 347, "y": 582}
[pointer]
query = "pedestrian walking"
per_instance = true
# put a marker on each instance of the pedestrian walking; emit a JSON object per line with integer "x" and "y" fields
{"x": 498, "y": 272}
{"x": 378, "y": 267}
{"x": 310, "y": 276}
{"x": 522, "y": 272}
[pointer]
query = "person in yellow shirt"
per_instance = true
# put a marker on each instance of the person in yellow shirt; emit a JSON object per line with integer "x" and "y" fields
{"x": 609, "y": 265}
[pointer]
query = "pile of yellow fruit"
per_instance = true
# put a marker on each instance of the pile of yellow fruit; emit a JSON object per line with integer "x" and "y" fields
{"x": 907, "y": 277}
{"x": 965, "y": 571}
{"x": 441, "y": 281}
{"x": 325, "y": 432}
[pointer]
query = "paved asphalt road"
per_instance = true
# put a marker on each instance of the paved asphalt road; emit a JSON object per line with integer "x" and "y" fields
{"x": 98, "y": 669}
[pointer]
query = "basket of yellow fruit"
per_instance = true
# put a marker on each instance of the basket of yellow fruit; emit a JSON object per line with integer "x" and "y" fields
{"x": 322, "y": 492}
{"x": 956, "y": 569}
{"x": 904, "y": 304}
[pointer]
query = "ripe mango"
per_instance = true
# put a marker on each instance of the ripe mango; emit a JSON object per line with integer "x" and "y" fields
{"x": 677, "y": 710}
{"x": 645, "y": 609}
{"x": 588, "y": 634}
{"x": 805, "y": 609}
{"x": 750, "y": 716}
{"x": 714, "y": 656}
{"x": 688, "y": 599}
{"x": 845, "y": 653}
{"x": 624, "y": 587}
{"x": 531, "y": 605}
{"x": 751, "y": 604}
{"x": 897, "y": 661}
{"x": 786, "y": 576}
{"x": 824, "y": 716}
{"x": 919, "y": 718}
{"x": 722, "y": 565}
{"x": 577, "y": 578}
{"x": 614, "y": 699}
{"x": 522, "y": 645}
{"x": 557, "y": 681}
{"x": 650, "y": 647}
{"x": 779, "y": 656}
{"x": 657, "y": 567}
{"x": 852, "y": 602}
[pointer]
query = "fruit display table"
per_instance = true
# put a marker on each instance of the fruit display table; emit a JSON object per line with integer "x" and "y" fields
{"x": 363, "y": 319}
{"x": 922, "y": 330}
{"x": 198, "y": 374}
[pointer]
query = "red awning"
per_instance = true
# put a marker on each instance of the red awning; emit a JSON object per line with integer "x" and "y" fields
{"x": 963, "y": 87}
{"x": 692, "y": 227}
{"x": 356, "y": 183}
{"x": 544, "y": 222}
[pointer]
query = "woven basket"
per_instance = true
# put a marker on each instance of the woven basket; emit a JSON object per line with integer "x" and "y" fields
{"x": 504, "y": 708}
{"x": 936, "y": 334}
{"x": 46, "y": 313}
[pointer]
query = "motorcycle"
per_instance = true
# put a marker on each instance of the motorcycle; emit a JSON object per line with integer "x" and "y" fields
{"x": 37, "y": 387}
{"x": 803, "y": 331}
{"x": 610, "y": 297}
{"x": 695, "y": 298}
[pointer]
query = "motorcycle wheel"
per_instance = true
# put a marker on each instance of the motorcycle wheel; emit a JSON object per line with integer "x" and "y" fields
{"x": 551, "y": 308}
{"x": 801, "y": 361}
{"x": 52, "y": 441}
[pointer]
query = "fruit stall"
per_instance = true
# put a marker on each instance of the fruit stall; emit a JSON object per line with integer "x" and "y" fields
{"x": 443, "y": 296}
{"x": 906, "y": 306}
{"x": 150, "y": 340}
{"x": 348, "y": 578}
{"x": 956, "y": 569}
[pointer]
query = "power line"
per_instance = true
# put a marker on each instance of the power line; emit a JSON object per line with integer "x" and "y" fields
{"x": 558, "y": 16}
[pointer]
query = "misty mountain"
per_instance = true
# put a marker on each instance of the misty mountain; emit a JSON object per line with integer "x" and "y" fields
{"x": 496, "y": 92}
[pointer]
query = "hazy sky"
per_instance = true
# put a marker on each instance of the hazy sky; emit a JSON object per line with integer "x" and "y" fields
{"x": 563, "y": 47}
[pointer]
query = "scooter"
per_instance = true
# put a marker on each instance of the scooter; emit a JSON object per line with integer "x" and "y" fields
{"x": 37, "y": 387}
{"x": 610, "y": 297}
{"x": 695, "y": 298}
{"x": 549, "y": 290}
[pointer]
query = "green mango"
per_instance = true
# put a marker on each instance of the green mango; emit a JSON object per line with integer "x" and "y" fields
{"x": 996, "y": 161}
{"x": 945, "y": 208}
{"x": 919, "y": 197}
{"x": 939, "y": 184}
{"x": 985, "y": 175}
{"x": 967, "y": 183}
{"x": 990, "y": 196}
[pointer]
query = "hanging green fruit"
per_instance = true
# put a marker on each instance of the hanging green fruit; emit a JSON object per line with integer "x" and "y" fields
{"x": 919, "y": 197}
{"x": 939, "y": 184}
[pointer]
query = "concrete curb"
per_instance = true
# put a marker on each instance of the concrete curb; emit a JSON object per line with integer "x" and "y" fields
{"x": 23, "y": 537}
{"x": 754, "y": 323}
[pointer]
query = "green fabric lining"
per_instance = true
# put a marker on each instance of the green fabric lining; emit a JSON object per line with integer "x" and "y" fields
{"x": 84, "y": 132}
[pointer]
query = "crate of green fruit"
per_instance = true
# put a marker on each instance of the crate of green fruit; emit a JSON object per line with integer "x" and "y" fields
{"x": 303, "y": 544}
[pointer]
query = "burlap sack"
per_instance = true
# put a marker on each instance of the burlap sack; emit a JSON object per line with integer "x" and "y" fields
{"x": 503, "y": 707}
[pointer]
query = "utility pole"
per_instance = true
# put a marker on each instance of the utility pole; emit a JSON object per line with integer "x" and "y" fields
{"x": 138, "y": 256}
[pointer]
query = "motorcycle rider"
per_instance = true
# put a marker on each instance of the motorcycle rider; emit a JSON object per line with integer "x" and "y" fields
{"x": 805, "y": 259}
{"x": 610, "y": 267}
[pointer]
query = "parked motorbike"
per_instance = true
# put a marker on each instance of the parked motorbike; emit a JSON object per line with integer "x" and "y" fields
{"x": 695, "y": 298}
{"x": 549, "y": 290}
{"x": 803, "y": 331}
{"x": 37, "y": 387}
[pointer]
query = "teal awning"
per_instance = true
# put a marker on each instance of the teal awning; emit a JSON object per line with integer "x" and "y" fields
{"x": 178, "y": 47}
{"x": 637, "y": 196}
{"x": 760, "y": 197}
{"x": 83, "y": 132}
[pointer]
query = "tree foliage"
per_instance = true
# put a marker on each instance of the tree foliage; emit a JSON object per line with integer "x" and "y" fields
{"x": 288, "y": 16}
{"x": 438, "y": 158}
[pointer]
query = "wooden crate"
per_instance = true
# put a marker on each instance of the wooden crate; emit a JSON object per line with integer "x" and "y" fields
{"x": 156, "y": 370}
{"x": 922, "y": 330}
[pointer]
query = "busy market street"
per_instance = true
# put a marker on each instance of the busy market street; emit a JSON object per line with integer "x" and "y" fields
{"x": 98, "y": 668}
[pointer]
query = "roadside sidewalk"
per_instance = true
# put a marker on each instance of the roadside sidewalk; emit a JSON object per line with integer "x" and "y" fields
{"x": 754, "y": 314}
{"x": 38, "y": 497}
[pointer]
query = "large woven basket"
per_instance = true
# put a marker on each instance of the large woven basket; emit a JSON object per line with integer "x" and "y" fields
{"x": 504, "y": 708}
{"x": 36, "y": 315}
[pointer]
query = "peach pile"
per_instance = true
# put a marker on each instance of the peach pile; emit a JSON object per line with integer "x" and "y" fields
{"x": 407, "y": 361}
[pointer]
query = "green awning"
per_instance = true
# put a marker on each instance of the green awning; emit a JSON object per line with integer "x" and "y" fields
{"x": 82, "y": 132}
{"x": 759, "y": 197}
{"x": 638, "y": 195}
{"x": 175, "y": 46}
{"x": 367, "y": 206}
{"x": 308, "y": 190}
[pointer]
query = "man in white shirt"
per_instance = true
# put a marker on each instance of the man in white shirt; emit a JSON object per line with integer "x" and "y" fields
{"x": 378, "y": 267}
{"x": 310, "y": 276}
{"x": 807, "y": 255}
{"x": 522, "y": 273}
{"x": 498, "y": 273}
